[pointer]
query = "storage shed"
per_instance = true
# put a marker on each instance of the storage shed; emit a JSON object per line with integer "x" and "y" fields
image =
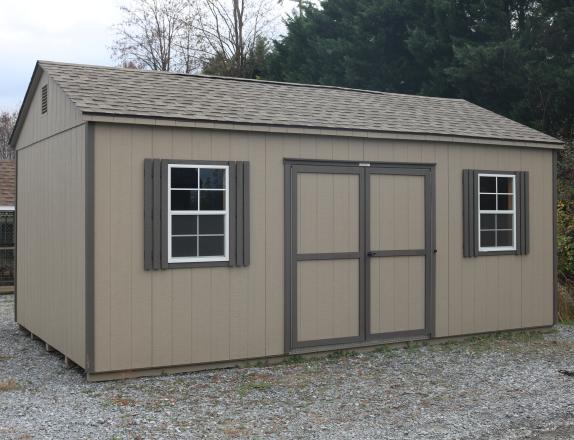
{"x": 171, "y": 222}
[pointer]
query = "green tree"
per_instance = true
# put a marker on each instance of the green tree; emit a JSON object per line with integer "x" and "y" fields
{"x": 515, "y": 57}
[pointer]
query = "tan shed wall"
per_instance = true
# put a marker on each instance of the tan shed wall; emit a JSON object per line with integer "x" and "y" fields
{"x": 51, "y": 231}
{"x": 62, "y": 114}
{"x": 182, "y": 316}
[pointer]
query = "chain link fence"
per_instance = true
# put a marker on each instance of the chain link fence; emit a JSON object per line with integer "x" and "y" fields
{"x": 7, "y": 248}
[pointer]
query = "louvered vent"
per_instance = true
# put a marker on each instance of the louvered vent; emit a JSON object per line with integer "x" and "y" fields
{"x": 45, "y": 99}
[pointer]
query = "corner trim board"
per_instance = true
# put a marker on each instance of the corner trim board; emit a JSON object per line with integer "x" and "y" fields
{"x": 89, "y": 305}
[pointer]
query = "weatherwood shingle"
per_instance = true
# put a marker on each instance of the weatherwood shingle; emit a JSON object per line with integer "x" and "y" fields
{"x": 137, "y": 93}
{"x": 7, "y": 182}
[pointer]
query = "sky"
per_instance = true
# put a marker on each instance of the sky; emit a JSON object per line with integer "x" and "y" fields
{"x": 78, "y": 31}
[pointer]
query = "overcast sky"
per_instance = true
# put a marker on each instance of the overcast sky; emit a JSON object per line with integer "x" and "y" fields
{"x": 77, "y": 31}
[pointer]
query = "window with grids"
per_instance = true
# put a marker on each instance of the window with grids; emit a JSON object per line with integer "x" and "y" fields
{"x": 497, "y": 212}
{"x": 198, "y": 213}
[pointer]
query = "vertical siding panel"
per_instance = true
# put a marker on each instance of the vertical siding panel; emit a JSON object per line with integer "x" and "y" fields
{"x": 536, "y": 268}
{"x": 510, "y": 273}
{"x": 201, "y": 286}
{"x": 120, "y": 256}
{"x": 455, "y": 257}
{"x": 162, "y": 338}
{"x": 442, "y": 293}
{"x": 141, "y": 292}
{"x": 240, "y": 309}
{"x": 476, "y": 269}
{"x": 220, "y": 277}
{"x": 341, "y": 148}
{"x": 273, "y": 242}
{"x": 181, "y": 279}
{"x": 257, "y": 334}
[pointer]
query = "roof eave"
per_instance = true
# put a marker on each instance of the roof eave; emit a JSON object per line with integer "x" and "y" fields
{"x": 119, "y": 118}
{"x": 34, "y": 81}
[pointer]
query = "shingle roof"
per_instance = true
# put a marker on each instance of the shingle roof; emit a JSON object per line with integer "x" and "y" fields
{"x": 129, "y": 92}
{"x": 7, "y": 182}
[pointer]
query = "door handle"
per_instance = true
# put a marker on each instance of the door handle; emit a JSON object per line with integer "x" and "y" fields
{"x": 371, "y": 254}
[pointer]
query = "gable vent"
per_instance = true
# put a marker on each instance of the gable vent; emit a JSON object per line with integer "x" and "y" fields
{"x": 45, "y": 99}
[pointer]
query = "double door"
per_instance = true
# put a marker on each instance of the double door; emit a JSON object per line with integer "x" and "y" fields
{"x": 359, "y": 261}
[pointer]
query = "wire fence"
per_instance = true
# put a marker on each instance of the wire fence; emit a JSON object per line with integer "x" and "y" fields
{"x": 7, "y": 248}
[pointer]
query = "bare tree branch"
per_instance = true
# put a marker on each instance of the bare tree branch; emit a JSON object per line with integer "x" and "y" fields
{"x": 7, "y": 122}
{"x": 159, "y": 35}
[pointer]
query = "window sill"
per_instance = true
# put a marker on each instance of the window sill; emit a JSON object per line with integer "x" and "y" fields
{"x": 188, "y": 265}
{"x": 505, "y": 252}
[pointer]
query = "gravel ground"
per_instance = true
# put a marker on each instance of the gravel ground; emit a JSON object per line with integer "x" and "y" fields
{"x": 506, "y": 387}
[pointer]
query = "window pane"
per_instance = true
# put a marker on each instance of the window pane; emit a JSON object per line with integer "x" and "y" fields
{"x": 504, "y": 203}
{"x": 212, "y": 178}
{"x": 184, "y": 225}
{"x": 184, "y": 247}
{"x": 505, "y": 185}
{"x": 184, "y": 177}
{"x": 504, "y": 238}
{"x": 211, "y": 224}
{"x": 183, "y": 200}
{"x": 210, "y": 246}
{"x": 488, "y": 184}
{"x": 212, "y": 200}
{"x": 487, "y": 201}
{"x": 487, "y": 221}
{"x": 504, "y": 221}
{"x": 487, "y": 238}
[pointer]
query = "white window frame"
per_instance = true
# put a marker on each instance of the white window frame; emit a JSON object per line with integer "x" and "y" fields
{"x": 198, "y": 212}
{"x": 497, "y": 211}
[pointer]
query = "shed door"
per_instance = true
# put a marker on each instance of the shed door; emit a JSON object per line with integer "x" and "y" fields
{"x": 328, "y": 257}
{"x": 400, "y": 252}
{"x": 359, "y": 253}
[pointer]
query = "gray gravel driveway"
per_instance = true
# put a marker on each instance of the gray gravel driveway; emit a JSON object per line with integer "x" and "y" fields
{"x": 504, "y": 386}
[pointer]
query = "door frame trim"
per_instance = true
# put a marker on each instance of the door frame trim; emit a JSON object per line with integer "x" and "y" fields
{"x": 291, "y": 168}
{"x": 292, "y": 257}
{"x": 428, "y": 172}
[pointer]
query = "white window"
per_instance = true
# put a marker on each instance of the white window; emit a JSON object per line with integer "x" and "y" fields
{"x": 198, "y": 213}
{"x": 497, "y": 212}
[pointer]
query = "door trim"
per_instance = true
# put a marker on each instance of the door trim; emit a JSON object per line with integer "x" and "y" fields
{"x": 291, "y": 168}
{"x": 292, "y": 257}
{"x": 428, "y": 172}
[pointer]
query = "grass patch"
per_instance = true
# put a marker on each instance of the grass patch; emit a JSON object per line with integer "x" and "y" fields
{"x": 294, "y": 360}
{"x": 248, "y": 387}
{"x": 336, "y": 356}
{"x": 9, "y": 385}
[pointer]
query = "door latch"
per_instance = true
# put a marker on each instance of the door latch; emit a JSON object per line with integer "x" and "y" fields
{"x": 371, "y": 254}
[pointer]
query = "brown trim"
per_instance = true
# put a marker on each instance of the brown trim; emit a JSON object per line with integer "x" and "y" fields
{"x": 428, "y": 252}
{"x": 398, "y": 253}
{"x": 328, "y": 256}
{"x": 324, "y": 130}
{"x": 26, "y": 103}
{"x": 554, "y": 236}
{"x": 291, "y": 257}
{"x": 16, "y": 241}
{"x": 156, "y": 215}
{"x": 148, "y": 214}
{"x": 89, "y": 247}
{"x": 470, "y": 194}
{"x": 238, "y": 234}
{"x": 246, "y": 215}
{"x": 238, "y": 202}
